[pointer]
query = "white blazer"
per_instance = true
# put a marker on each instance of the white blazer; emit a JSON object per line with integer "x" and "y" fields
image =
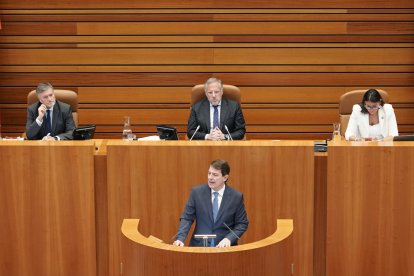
{"x": 358, "y": 125}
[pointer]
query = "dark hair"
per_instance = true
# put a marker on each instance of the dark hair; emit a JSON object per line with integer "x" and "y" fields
{"x": 221, "y": 165}
{"x": 372, "y": 95}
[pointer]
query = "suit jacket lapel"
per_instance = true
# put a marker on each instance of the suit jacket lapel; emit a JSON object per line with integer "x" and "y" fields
{"x": 223, "y": 112}
{"x": 206, "y": 111}
{"x": 55, "y": 118}
{"x": 207, "y": 198}
{"x": 224, "y": 202}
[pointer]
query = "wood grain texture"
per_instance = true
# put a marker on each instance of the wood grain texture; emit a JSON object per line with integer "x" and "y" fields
{"x": 157, "y": 187}
{"x": 47, "y": 208}
{"x": 193, "y": 56}
{"x": 143, "y": 256}
{"x": 370, "y": 209}
{"x": 317, "y": 4}
{"x": 306, "y": 53}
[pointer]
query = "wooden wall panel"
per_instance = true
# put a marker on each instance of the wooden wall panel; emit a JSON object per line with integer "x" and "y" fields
{"x": 292, "y": 59}
{"x": 356, "y": 4}
{"x": 47, "y": 208}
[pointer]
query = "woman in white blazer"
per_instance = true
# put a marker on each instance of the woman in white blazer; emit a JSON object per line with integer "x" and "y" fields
{"x": 371, "y": 119}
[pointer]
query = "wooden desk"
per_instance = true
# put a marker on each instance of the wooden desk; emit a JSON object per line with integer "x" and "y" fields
{"x": 148, "y": 256}
{"x": 47, "y": 209}
{"x": 152, "y": 181}
{"x": 370, "y": 214}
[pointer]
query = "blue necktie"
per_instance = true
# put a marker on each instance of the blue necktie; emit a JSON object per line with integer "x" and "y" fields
{"x": 215, "y": 117}
{"x": 215, "y": 211}
{"x": 48, "y": 122}
{"x": 215, "y": 205}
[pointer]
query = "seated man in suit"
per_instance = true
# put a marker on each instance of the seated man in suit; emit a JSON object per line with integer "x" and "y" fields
{"x": 214, "y": 113}
{"x": 49, "y": 119}
{"x": 216, "y": 207}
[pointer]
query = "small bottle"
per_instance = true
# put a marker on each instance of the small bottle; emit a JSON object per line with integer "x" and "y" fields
{"x": 127, "y": 131}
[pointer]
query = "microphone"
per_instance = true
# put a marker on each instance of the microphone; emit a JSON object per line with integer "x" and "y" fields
{"x": 234, "y": 234}
{"x": 198, "y": 127}
{"x": 231, "y": 138}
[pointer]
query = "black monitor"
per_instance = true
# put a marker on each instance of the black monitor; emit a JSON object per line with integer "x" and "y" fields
{"x": 84, "y": 132}
{"x": 167, "y": 132}
{"x": 404, "y": 138}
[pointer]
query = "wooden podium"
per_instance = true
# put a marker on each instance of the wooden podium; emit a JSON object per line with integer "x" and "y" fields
{"x": 150, "y": 256}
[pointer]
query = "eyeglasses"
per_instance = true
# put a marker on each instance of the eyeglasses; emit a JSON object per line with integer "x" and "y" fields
{"x": 372, "y": 107}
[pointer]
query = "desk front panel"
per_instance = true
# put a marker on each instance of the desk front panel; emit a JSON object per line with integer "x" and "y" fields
{"x": 152, "y": 181}
{"x": 47, "y": 209}
{"x": 370, "y": 214}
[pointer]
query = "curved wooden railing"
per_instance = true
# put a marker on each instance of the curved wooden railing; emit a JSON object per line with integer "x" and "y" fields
{"x": 150, "y": 256}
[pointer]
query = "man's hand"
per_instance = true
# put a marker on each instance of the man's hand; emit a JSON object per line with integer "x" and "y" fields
{"x": 224, "y": 243}
{"x": 216, "y": 135}
{"x": 48, "y": 138}
{"x": 178, "y": 243}
{"x": 41, "y": 110}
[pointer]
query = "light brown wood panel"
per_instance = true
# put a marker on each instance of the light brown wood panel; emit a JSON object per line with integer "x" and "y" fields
{"x": 181, "y": 4}
{"x": 197, "y": 15}
{"x": 41, "y": 28}
{"x": 102, "y": 38}
{"x": 189, "y": 79}
{"x": 147, "y": 256}
{"x": 314, "y": 56}
{"x": 47, "y": 208}
{"x": 111, "y": 46}
{"x": 370, "y": 211}
{"x": 206, "y": 38}
{"x": 209, "y": 28}
{"x": 207, "y": 68}
{"x": 101, "y": 207}
{"x": 107, "y": 56}
{"x": 135, "y": 94}
{"x": 205, "y": 56}
{"x": 158, "y": 187}
{"x": 315, "y": 38}
{"x": 314, "y": 94}
{"x": 138, "y": 116}
{"x": 381, "y": 27}
{"x": 319, "y": 238}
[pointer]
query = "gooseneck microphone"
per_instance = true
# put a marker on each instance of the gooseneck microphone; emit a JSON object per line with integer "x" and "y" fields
{"x": 234, "y": 234}
{"x": 228, "y": 132}
{"x": 198, "y": 127}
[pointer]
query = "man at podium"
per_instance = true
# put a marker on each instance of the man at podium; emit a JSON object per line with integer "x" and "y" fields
{"x": 217, "y": 208}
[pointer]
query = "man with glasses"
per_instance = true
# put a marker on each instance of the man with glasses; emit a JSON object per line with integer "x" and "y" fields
{"x": 372, "y": 119}
{"x": 216, "y": 117}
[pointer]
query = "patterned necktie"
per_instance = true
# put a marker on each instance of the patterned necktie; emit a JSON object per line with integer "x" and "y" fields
{"x": 48, "y": 122}
{"x": 215, "y": 117}
{"x": 215, "y": 205}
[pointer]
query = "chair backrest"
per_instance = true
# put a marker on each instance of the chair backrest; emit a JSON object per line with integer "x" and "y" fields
{"x": 67, "y": 96}
{"x": 229, "y": 91}
{"x": 347, "y": 101}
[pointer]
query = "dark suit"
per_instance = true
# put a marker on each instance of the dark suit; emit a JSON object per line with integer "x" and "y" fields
{"x": 62, "y": 122}
{"x": 200, "y": 208}
{"x": 230, "y": 115}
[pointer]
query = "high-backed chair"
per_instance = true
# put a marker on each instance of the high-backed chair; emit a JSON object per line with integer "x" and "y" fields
{"x": 346, "y": 103}
{"x": 229, "y": 91}
{"x": 67, "y": 96}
